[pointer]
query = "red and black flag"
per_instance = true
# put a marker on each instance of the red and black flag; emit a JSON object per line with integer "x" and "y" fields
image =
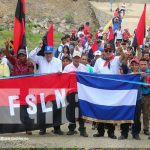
{"x": 140, "y": 30}
{"x": 19, "y": 27}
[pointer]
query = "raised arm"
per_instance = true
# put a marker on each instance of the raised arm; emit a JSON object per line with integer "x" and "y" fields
{"x": 122, "y": 57}
{"x": 138, "y": 52}
{"x": 10, "y": 57}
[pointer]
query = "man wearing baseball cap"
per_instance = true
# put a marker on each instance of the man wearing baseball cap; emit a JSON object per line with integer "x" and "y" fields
{"x": 97, "y": 54}
{"x": 137, "y": 67}
{"x": 47, "y": 64}
{"x": 20, "y": 63}
{"x": 75, "y": 66}
{"x": 107, "y": 64}
{"x": 21, "y": 66}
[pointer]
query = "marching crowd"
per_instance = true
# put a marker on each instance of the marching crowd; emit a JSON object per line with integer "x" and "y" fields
{"x": 82, "y": 51}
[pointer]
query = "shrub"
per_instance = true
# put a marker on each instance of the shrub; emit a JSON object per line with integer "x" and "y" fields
{"x": 69, "y": 19}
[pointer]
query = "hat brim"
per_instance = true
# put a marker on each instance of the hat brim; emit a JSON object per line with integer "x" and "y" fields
{"x": 77, "y": 56}
{"x": 48, "y": 52}
{"x": 22, "y": 54}
{"x": 134, "y": 61}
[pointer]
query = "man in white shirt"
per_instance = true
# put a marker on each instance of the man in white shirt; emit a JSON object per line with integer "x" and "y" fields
{"x": 108, "y": 64}
{"x": 47, "y": 64}
{"x": 75, "y": 66}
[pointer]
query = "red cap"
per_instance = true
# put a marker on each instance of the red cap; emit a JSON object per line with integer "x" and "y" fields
{"x": 135, "y": 60}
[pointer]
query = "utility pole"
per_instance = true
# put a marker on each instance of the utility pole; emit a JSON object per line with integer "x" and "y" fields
{"x": 111, "y": 3}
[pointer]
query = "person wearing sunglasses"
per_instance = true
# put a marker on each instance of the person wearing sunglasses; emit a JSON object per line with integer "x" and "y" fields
{"x": 107, "y": 64}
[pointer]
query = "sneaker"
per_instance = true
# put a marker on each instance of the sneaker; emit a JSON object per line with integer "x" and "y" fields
{"x": 29, "y": 132}
{"x": 84, "y": 134}
{"x": 136, "y": 137}
{"x": 58, "y": 132}
{"x": 146, "y": 132}
{"x": 98, "y": 135}
{"x": 112, "y": 136}
{"x": 71, "y": 132}
{"x": 122, "y": 137}
{"x": 42, "y": 132}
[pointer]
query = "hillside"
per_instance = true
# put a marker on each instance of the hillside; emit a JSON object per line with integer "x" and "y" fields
{"x": 79, "y": 10}
{"x": 65, "y": 14}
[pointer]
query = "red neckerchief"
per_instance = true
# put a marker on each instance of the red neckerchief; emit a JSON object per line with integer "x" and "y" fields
{"x": 107, "y": 62}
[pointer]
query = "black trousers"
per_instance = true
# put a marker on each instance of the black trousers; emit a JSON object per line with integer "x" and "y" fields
{"x": 136, "y": 127}
{"x": 42, "y": 117}
{"x": 25, "y": 119}
{"x": 125, "y": 129}
{"x": 109, "y": 126}
{"x": 70, "y": 113}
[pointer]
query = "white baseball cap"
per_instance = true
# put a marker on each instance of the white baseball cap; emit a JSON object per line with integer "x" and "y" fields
{"x": 97, "y": 53}
{"x": 76, "y": 53}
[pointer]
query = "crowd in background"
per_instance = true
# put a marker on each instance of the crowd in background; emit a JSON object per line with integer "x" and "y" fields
{"x": 84, "y": 51}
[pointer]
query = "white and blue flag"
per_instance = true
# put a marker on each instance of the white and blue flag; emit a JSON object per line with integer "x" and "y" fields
{"x": 107, "y": 98}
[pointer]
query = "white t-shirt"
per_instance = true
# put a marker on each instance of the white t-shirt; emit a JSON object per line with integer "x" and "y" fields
{"x": 72, "y": 68}
{"x": 119, "y": 34}
{"x": 101, "y": 69}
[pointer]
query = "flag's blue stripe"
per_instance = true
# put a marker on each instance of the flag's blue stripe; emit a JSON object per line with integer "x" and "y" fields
{"x": 99, "y": 112}
{"x": 102, "y": 83}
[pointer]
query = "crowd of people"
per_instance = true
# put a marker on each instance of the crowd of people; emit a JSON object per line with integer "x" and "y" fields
{"x": 82, "y": 51}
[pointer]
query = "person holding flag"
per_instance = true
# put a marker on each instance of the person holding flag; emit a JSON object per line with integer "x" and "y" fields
{"x": 107, "y": 64}
{"x": 21, "y": 66}
{"x": 47, "y": 64}
{"x": 75, "y": 66}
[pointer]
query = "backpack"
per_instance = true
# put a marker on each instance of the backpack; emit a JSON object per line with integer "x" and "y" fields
{"x": 56, "y": 53}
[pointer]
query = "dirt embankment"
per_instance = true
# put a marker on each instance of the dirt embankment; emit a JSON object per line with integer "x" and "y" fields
{"x": 78, "y": 10}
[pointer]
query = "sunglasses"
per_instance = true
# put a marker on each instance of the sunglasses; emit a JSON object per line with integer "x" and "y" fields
{"x": 108, "y": 51}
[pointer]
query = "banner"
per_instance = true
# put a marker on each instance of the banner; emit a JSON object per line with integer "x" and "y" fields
{"x": 29, "y": 103}
{"x": 34, "y": 102}
{"x": 104, "y": 99}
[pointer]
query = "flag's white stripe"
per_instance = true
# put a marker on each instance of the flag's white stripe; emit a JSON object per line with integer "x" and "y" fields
{"x": 107, "y": 97}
